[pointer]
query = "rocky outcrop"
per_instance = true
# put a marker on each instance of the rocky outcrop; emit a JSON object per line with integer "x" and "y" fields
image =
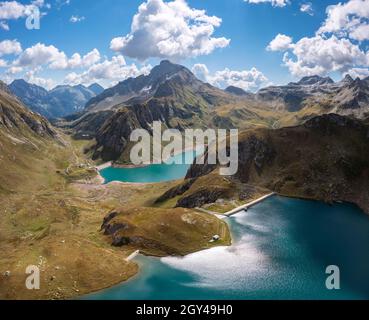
{"x": 201, "y": 197}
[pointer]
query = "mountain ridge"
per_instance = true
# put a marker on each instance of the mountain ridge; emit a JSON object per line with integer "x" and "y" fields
{"x": 60, "y": 101}
{"x": 346, "y": 97}
{"x": 173, "y": 95}
{"x": 140, "y": 89}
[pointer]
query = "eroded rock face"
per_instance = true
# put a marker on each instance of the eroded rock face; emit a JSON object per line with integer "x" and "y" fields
{"x": 113, "y": 229}
{"x": 253, "y": 151}
{"x": 201, "y": 197}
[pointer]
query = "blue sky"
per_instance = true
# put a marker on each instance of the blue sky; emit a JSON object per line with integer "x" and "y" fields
{"x": 232, "y": 47}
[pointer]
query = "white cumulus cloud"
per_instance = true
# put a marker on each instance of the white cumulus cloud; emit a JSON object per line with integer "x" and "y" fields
{"x": 41, "y": 54}
{"x": 320, "y": 56}
{"x": 3, "y": 63}
{"x": 280, "y": 43}
{"x": 246, "y": 79}
{"x": 8, "y": 47}
{"x": 111, "y": 71}
{"x": 14, "y": 70}
{"x": 13, "y": 10}
{"x": 337, "y": 45}
{"x": 169, "y": 30}
{"x": 359, "y": 73}
{"x": 350, "y": 19}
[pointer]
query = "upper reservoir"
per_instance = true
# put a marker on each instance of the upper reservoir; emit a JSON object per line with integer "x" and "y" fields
{"x": 151, "y": 173}
{"x": 281, "y": 249}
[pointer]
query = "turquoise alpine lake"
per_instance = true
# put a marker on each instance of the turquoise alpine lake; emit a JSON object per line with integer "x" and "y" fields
{"x": 154, "y": 172}
{"x": 281, "y": 249}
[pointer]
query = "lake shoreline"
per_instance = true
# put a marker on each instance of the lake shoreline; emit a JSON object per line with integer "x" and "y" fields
{"x": 130, "y": 289}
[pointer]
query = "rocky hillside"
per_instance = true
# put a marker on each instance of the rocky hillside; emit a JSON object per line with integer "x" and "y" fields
{"x": 58, "y": 102}
{"x": 23, "y": 137}
{"x": 170, "y": 94}
{"x": 327, "y": 158}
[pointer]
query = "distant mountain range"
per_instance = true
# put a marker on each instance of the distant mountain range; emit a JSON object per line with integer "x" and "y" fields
{"x": 58, "y": 102}
{"x": 347, "y": 97}
{"x": 172, "y": 94}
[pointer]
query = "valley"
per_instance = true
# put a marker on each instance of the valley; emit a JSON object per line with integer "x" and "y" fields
{"x": 305, "y": 140}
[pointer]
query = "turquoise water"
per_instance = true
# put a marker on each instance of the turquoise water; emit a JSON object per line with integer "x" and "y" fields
{"x": 281, "y": 250}
{"x": 152, "y": 173}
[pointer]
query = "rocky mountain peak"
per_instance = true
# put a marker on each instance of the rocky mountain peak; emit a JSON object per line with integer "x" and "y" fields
{"x": 347, "y": 79}
{"x": 166, "y": 69}
{"x": 312, "y": 80}
{"x": 96, "y": 88}
{"x": 22, "y": 85}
